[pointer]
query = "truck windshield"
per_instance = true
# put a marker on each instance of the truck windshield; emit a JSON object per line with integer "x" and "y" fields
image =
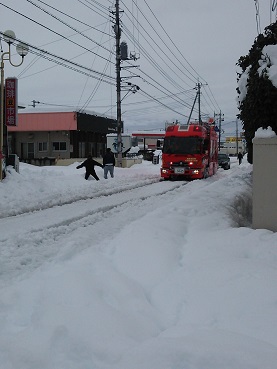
{"x": 183, "y": 145}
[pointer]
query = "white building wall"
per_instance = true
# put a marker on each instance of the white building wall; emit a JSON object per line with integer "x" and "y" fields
{"x": 24, "y": 138}
{"x": 265, "y": 183}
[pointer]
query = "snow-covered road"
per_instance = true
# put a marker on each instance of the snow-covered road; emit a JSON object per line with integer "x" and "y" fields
{"x": 34, "y": 237}
{"x": 133, "y": 272}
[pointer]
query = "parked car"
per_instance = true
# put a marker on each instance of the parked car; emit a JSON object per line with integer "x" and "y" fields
{"x": 148, "y": 155}
{"x": 224, "y": 161}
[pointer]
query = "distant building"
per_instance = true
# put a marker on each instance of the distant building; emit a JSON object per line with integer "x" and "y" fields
{"x": 233, "y": 145}
{"x": 149, "y": 140}
{"x": 61, "y": 134}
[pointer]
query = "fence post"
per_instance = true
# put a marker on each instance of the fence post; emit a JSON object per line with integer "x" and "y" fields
{"x": 265, "y": 183}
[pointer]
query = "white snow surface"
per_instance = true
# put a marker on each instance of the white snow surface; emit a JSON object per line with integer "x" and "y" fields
{"x": 268, "y": 66}
{"x": 265, "y": 133}
{"x": 133, "y": 272}
{"x": 268, "y": 63}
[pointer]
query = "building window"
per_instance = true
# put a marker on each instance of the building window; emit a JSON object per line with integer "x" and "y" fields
{"x": 59, "y": 146}
{"x": 42, "y": 146}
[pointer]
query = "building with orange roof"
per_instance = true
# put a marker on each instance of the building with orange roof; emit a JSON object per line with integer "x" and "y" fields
{"x": 58, "y": 135}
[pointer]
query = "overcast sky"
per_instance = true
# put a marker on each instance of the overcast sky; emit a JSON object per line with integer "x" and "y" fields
{"x": 178, "y": 42}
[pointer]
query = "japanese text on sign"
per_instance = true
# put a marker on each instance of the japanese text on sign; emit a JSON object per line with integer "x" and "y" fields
{"x": 11, "y": 101}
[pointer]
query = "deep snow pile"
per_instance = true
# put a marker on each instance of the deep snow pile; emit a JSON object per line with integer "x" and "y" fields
{"x": 183, "y": 283}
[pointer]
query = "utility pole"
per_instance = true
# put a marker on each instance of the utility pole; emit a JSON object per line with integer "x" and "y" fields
{"x": 199, "y": 109}
{"x": 117, "y": 31}
{"x": 197, "y": 97}
{"x": 237, "y": 137}
{"x": 219, "y": 133}
{"x": 121, "y": 55}
{"x": 220, "y": 120}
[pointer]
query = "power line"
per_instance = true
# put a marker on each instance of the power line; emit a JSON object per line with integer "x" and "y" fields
{"x": 95, "y": 89}
{"x": 66, "y": 62}
{"x": 93, "y": 8}
{"x": 66, "y": 24}
{"x": 159, "y": 68}
{"x": 173, "y": 43}
{"x": 192, "y": 78}
{"x": 73, "y": 28}
{"x": 108, "y": 79}
{"x": 28, "y": 66}
{"x": 92, "y": 94}
{"x": 69, "y": 16}
{"x": 49, "y": 29}
{"x": 179, "y": 52}
{"x": 163, "y": 73}
{"x": 159, "y": 102}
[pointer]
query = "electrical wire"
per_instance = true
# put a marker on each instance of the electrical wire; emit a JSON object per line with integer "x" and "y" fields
{"x": 162, "y": 71}
{"x": 159, "y": 102}
{"x": 95, "y": 89}
{"x": 179, "y": 52}
{"x": 49, "y": 29}
{"x": 97, "y": 43}
{"x": 191, "y": 77}
{"x": 180, "y": 70}
{"x": 102, "y": 77}
{"x": 32, "y": 62}
{"x": 66, "y": 62}
{"x": 75, "y": 19}
{"x": 173, "y": 43}
{"x": 99, "y": 12}
{"x": 66, "y": 24}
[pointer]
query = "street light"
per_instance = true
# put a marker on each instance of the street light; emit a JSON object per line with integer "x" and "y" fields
{"x": 22, "y": 50}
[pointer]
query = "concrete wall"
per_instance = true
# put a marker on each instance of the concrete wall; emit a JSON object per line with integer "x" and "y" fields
{"x": 265, "y": 183}
{"x": 33, "y": 138}
{"x": 126, "y": 162}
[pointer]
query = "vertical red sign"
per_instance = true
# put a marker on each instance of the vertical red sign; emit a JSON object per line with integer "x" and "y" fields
{"x": 11, "y": 101}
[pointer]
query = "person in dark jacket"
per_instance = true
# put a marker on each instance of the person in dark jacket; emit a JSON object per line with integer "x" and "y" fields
{"x": 89, "y": 164}
{"x": 240, "y": 156}
{"x": 108, "y": 163}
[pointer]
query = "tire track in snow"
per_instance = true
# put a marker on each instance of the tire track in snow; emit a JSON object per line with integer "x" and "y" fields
{"x": 47, "y": 235}
{"x": 61, "y": 201}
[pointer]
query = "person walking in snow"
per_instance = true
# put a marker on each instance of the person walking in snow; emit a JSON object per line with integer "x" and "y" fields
{"x": 89, "y": 164}
{"x": 240, "y": 156}
{"x": 108, "y": 163}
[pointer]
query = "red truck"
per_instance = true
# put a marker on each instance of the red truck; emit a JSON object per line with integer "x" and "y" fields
{"x": 189, "y": 151}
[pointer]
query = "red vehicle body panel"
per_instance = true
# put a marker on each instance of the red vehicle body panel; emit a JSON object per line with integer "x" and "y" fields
{"x": 190, "y": 151}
